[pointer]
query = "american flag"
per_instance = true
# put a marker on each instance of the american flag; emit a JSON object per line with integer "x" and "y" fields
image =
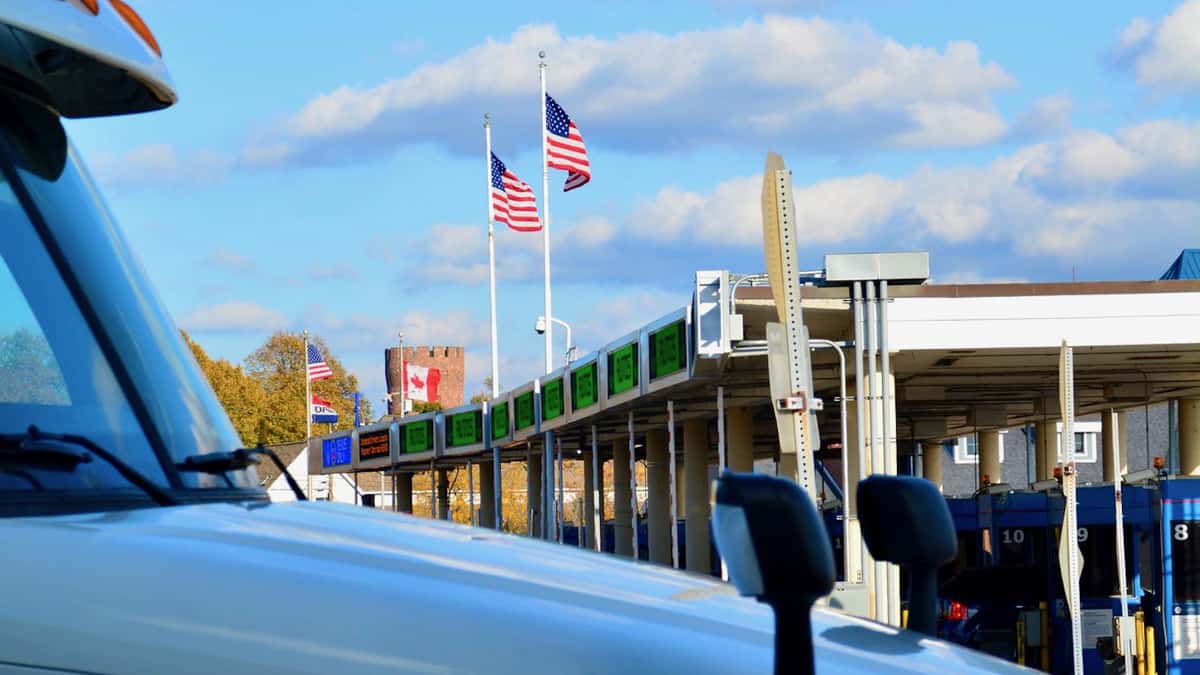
{"x": 317, "y": 370}
{"x": 512, "y": 199}
{"x": 564, "y": 147}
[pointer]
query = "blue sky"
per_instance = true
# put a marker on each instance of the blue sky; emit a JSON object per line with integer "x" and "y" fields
{"x": 324, "y": 167}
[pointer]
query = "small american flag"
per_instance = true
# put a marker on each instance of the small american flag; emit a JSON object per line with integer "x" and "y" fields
{"x": 317, "y": 370}
{"x": 512, "y": 199}
{"x": 564, "y": 147}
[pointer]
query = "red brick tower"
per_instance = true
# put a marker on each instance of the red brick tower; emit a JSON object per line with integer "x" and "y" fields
{"x": 449, "y": 360}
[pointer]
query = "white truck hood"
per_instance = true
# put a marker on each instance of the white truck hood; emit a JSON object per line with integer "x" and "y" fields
{"x": 327, "y": 588}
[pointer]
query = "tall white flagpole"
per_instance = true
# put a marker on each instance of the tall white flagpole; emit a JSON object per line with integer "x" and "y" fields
{"x": 491, "y": 218}
{"x": 550, "y": 518}
{"x": 546, "y": 213}
{"x": 307, "y": 412}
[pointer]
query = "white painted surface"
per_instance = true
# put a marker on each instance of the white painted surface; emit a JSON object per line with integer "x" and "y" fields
{"x": 329, "y": 588}
{"x": 1044, "y": 321}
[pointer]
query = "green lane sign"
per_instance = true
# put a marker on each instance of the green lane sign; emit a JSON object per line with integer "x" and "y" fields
{"x": 465, "y": 428}
{"x": 416, "y": 437}
{"x": 668, "y": 350}
{"x": 552, "y": 399}
{"x": 623, "y": 369}
{"x": 524, "y": 411}
{"x": 585, "y": 389}
{"x": 499, "y": 421}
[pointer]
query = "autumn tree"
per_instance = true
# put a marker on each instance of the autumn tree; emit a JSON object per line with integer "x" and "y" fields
{"x": 279, "y": 366}
{"x": 244, "y": 400}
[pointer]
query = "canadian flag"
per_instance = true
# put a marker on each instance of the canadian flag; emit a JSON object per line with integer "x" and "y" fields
{"x": 421, "y": 383}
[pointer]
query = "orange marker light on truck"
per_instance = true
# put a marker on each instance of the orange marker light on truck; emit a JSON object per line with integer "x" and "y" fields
{"x": 135, "y": 22}
{"x": 90, "y": 6}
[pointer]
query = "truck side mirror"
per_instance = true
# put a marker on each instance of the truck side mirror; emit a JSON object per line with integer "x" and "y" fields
{"x": 776, "y": 549}
{"x": 905, "y": 521}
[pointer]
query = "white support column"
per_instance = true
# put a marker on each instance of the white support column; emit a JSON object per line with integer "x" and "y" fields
{"x": 695, "y": 472}
{"x": 1189, "y": 436}
{"x": 673, "y": 479}
{"x": 1113, "y": 448}
{"x": 740, "y": 436}
{"x": 589, "y": 495}
{"x": 622, "y": 499}
{"x": 403, "y": 483}
{"x": 931, "y": 461}
{"x": 989, "y": 455}
{"x": 534, "y": 493}
{"x": 658, "y": 495}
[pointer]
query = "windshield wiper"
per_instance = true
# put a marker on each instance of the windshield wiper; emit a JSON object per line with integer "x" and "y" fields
{"x": 37, "y": 449}
{"x": 242, "y": 458}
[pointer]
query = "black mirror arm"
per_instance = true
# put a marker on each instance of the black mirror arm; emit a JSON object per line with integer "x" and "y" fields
{"x": 923, "y": 598}
{"x": 793, "y": 638}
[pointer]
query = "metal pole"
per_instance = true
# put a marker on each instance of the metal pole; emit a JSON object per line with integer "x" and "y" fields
{"x": 549, "y": 499}
{"x": 889, "y": 448}
{"x": 403, "y": 375}
{"x": 498, "y": 502}
{"x": 671, "y": 478}
{"x": 560, "y": 517}
{"x": 597, "y": 496}
{"x": 889, "y": 424}
{"x": 845, "y": 445}
{"x": 633, "y": 486}
{"x": 880, "y": 582}
{"x": 307, "y": 414}
{"x": 545, "y": 212}
{"x": 860, "y": 413}
{"x": 528, "y": 485}
{"x": 721, "y": 457}
{"x": 1126, "y": 626}
{"x": 487, "y": 161}
{"x": 470, "y": 494}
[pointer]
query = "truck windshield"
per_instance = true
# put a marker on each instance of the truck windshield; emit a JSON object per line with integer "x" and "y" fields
{"x": 86, "y": 347}
{"x": 52, "y": 373}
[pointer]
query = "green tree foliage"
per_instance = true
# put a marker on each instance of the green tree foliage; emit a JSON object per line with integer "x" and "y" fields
{"x": 265, "y": 397}
{"x": 279, "y": 367}
{"x": 243, "y": 399}
{"x": 419, "y": 407}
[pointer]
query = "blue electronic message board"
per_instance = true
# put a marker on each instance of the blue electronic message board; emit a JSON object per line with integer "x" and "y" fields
{"x": 335, "y": 451}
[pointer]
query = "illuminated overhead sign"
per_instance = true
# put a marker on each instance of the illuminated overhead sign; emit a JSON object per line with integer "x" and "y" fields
{"x": 464, "y": 428}
{"x": 500, "y": 423}
{"x": 416, "y": 436}
{"x": 552, "y": 399}
{"x": 524, "y": 411}
{"x": 374, "y": 445}
{"x": 623, "y": 369}
{"x": 668, "y": 349}
{"x": 335, "y": 452}
{"x": 585, "y": 386}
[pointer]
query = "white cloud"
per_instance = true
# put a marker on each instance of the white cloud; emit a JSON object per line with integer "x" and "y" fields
{"x": 829, "y": 211}
{"x": 230, "y": 260}
{"x": 158, "y": 165}
{"x": 360, "y": 330}
{"x": 810, "y": 82}
{"x": 336, "y": 272}
{"x": 1166, "y": 55}
{"x": 233, "y": 317}
{"x": 1090, "y": 193}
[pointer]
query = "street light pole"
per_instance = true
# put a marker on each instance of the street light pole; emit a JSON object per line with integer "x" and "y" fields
{"x": 403, "y": 375}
